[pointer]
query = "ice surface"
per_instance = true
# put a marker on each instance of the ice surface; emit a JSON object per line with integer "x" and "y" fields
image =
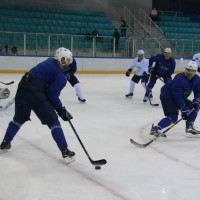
{"x": 168, "y": 169}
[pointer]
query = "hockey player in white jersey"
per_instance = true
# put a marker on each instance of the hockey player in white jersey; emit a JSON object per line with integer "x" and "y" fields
{"x": 196, "y": 58}
{"x": 140, "y": 64}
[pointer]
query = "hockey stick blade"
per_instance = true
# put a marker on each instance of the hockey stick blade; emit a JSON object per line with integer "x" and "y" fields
{"x": 7, "y": 83}
{"x": 153, "y": 104}
{"x": 140, "y": 145}
{"x": 98, "y": 162}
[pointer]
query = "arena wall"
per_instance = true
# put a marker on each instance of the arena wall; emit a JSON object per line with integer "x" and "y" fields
{"x": 86, "y": 65}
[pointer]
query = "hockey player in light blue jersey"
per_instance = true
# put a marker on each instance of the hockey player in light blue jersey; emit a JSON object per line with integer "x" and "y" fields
{"x": 174, "y": 97}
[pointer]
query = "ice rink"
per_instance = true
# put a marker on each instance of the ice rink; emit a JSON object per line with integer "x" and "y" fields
{"x": 168, "y": 169}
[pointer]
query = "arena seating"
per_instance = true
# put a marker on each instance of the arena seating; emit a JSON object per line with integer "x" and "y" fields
{"x": 182, "y": 29}
{"x": 30, "y": 20}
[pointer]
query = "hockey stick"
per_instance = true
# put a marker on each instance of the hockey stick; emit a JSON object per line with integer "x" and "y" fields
{"x": 152, "y": 104}
{"x": 156, "y": 104}
{"x": 94, "y": 162}
{"x": 7, "y": 83}
{"x": 155, "y": 138}
{"x": 7, "y": 105}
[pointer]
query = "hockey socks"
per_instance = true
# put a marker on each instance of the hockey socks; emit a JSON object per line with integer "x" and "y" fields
{"x": 79, "y": 92}
{"x": 57, "y": 134}
{"x": 12, "y": 130}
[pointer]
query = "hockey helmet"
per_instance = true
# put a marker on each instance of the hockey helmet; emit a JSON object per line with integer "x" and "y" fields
{"x": 63, "y": 53}
{"x": 140, "y": 52}
{"x": 192, "y": 65}
{"x": 168, "y": 50}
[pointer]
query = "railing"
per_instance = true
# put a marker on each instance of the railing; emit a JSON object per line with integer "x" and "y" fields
{"x": 153, "y": 29}
{"x": 181, "y": 48}
{"x": 104, "y": 46}
{"x": 46, "y": 44}
{"x": 134, "y": 25}
{"x": 143, "y": 26}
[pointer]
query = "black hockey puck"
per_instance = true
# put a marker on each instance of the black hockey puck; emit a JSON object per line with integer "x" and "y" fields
{"x": 97, "y": 167}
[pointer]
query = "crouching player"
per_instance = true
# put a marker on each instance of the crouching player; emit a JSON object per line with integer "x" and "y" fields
{"x": 174, "y": 97}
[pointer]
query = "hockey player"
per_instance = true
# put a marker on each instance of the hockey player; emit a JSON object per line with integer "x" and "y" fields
{"x": 69, "y": 71}
{"x": 174, "y": 97}
{"x": 39, "y": 90}
{"x": 140, "y": 63}
{"x": 164, "y": 68}
{"x": 196, "y": 57}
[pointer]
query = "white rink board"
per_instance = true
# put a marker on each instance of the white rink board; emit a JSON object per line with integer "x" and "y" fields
{"x": 84, "y": 64}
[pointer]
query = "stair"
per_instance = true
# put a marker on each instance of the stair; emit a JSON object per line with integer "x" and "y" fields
{"x": 117, "y": 24}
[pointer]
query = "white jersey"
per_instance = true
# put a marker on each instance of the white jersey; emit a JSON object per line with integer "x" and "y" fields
{"x": 140, "y": 66}
{"x": 196, "y": 58}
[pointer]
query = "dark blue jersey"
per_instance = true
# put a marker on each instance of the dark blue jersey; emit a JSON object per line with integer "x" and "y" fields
{"x": 180, "y": 88}
{"x": 71, "y": 69}
{"x": 50, "y": 72}
{"x": 162, "y": 68}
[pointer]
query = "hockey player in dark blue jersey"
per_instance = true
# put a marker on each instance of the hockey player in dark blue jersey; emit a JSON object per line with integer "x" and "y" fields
{"x": 39, "y": 90}
{"x": 174, "y": 97}
{"x": 164, "y": 68}
{"x": 69, "y": 71}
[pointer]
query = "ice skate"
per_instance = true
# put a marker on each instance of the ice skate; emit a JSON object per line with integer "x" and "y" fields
{"x": 190, "y": 130}
{"x": 147, "y": 95}
{"x": 68, "y": 155}
{"x": 157, "y": 131}
{"x": 81, "y": 100}
{"x": 145, "y": 99}
{"x": 5, "y": 145}
{"x": 129, "y": 95}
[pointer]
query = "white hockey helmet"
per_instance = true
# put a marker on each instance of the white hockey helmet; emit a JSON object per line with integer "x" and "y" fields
{"x": 140, "y": 52}
{"x": 168, "y": 50}
{"x": 192, "y": 65}
{"x": 63, "y": 53}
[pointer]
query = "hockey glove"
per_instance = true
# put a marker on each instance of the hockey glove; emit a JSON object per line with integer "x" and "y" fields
{"x": 150, "y": 69}
{"x": 64, "y": 114}
{"x": 196, "y": 104}
{"x": 128, "y": 72}
{"x": 185, "y": 112}
{"x": 166, "y": 78}
{"x": 67, "y": 76}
